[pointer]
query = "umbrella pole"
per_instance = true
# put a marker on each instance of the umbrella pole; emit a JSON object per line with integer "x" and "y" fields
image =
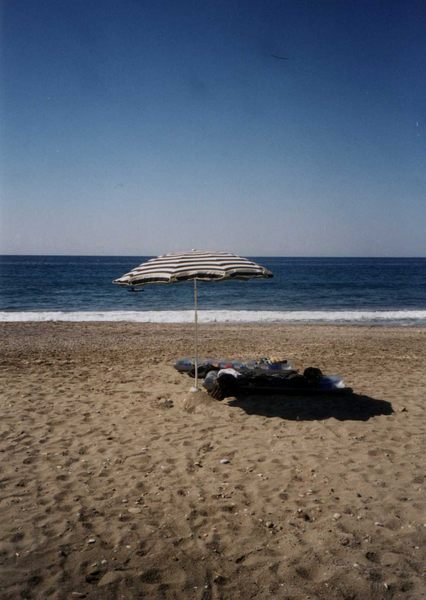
{"x": 196, "y": 334}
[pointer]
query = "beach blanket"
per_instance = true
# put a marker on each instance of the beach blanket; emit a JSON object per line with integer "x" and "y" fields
{"x": 230, "y": 377}
{"x": 261, "y": 365}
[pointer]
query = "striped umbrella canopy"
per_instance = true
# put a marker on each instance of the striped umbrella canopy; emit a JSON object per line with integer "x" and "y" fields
{"x": 194, "y": 265}
{"x": 182, "y": 266}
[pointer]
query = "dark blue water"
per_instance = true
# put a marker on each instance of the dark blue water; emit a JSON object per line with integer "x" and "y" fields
{"x": 84, "y": 283}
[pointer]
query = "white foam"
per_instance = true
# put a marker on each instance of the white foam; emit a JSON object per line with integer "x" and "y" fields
{"x": 223, "y": 316}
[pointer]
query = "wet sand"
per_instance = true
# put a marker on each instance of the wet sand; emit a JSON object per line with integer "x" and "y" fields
{"x": 113, "y": 483}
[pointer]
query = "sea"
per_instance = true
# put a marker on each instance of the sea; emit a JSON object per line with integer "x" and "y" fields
{"x": 387, "y": 291}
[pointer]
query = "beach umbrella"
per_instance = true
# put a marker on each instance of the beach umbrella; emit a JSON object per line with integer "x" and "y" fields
{"x": 197, "y": 266}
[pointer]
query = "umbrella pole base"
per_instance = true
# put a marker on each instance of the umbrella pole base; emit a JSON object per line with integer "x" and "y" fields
{"x": 194, "y": 389}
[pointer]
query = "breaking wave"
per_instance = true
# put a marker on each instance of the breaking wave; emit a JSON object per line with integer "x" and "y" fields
{"x": 395, "y": 317}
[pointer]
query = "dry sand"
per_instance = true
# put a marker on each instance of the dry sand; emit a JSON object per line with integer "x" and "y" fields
{"x": 112, "y": 485}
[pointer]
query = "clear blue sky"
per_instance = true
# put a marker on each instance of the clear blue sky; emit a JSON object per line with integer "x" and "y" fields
{"x": 139, "y": 127}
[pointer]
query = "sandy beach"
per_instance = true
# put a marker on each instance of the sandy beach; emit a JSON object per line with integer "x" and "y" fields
{"x": 113, "y": 482}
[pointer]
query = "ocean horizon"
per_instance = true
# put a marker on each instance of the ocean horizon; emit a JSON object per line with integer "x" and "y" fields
{"x": 357, "y": 290}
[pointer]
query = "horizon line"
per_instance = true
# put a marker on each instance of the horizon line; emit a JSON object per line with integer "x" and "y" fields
{"x": 250, "y": 256}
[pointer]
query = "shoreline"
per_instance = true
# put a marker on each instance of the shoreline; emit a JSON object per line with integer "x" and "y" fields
{"x": 112, "y": 482}
{"x": 397, "y": 317}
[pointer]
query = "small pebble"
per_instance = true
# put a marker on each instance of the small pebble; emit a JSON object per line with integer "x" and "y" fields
{"x": 91, "y": 541}
{"x": 336, "y": 516}
{"x": 134, "y": 510}
{"x": 110, "y": 577}
{"x": 224, "y": 461}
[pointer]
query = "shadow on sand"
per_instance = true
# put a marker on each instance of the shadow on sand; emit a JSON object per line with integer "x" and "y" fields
{"x": 308, "y": 408}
